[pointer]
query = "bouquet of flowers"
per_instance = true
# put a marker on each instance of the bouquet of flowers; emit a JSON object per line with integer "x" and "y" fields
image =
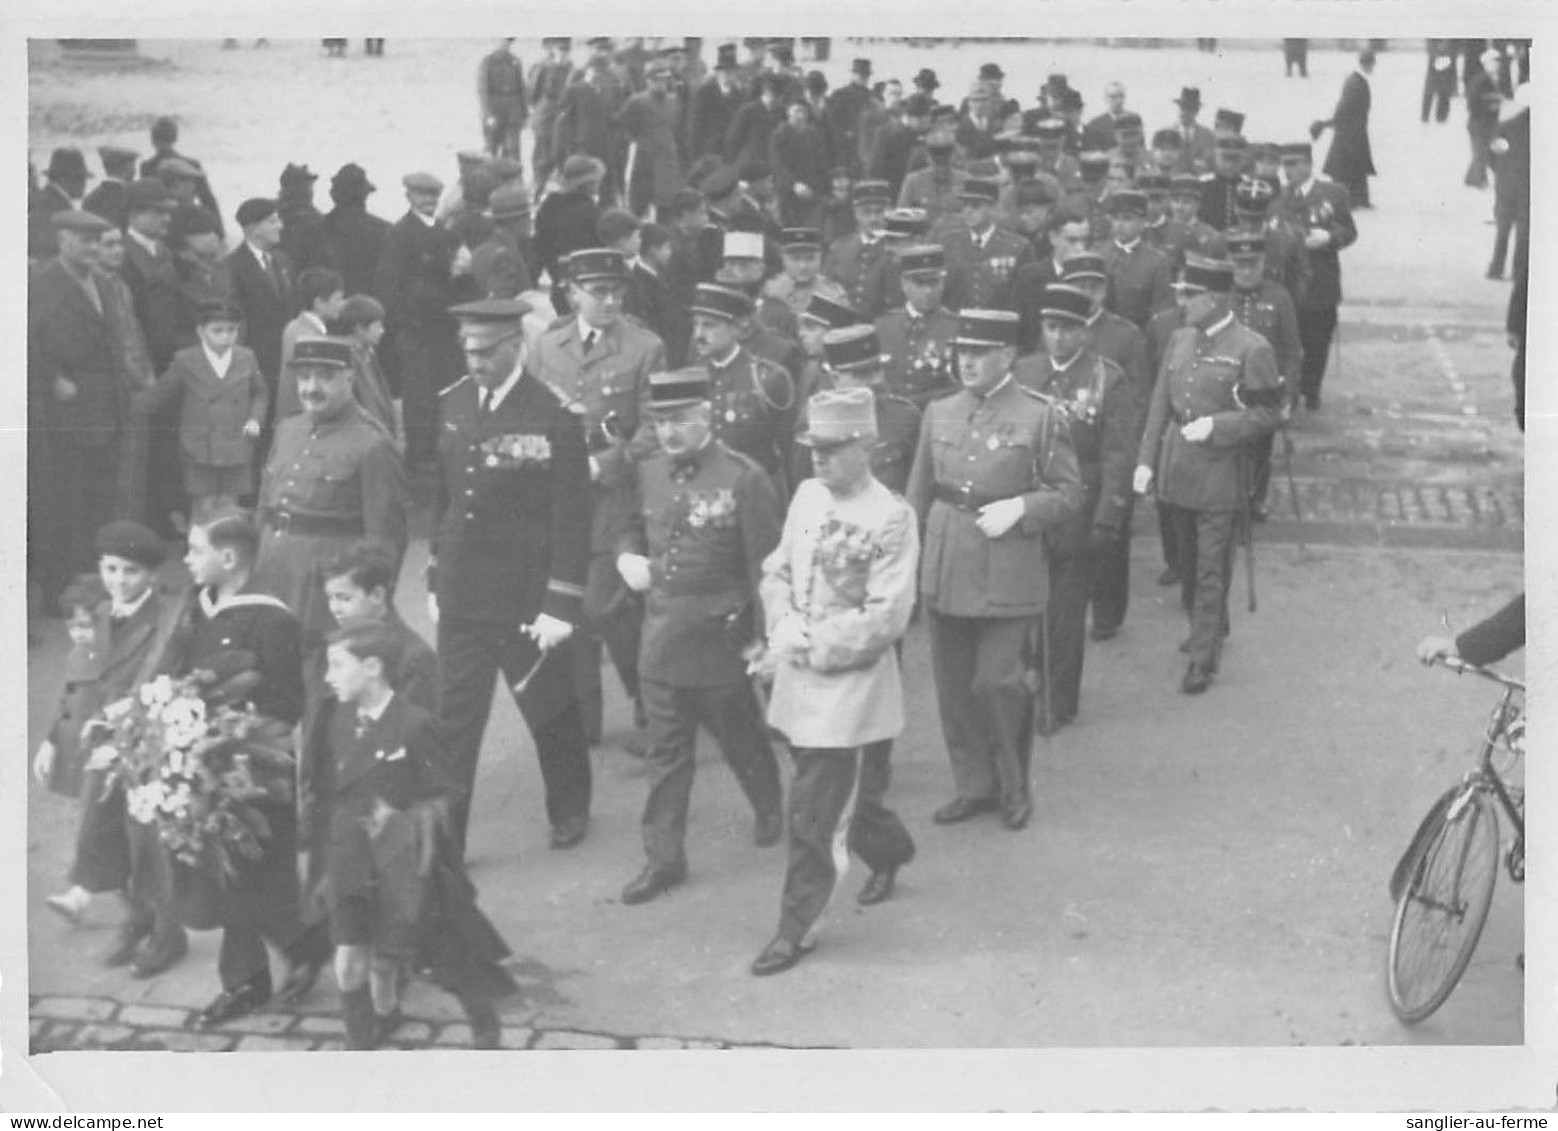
{"x": 194, "y": 768}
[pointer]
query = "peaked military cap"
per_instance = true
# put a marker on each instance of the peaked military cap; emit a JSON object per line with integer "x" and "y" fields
{"x": 746, "y": 245}
{"x": 829, "y": 312}
{"x": 75, "y": 220}
{"x": 1215, "y": 275}
{"x": 1246, "y": 245}
{"x": 678, "y": 388}
{"x": 1065, "y": 303}
{"x": 487, "y": 322}
{"x": 922, "y": 260}
{"x": 852, "y": 347}
{"x": 217, "y": 309}
{"x": 323, "y": 352}
{"x": 1298, "y": 150}
{"x": 1127, "y": 202}
{"x": 116, "y": 156}
{"x": 907, "y": 223}
{"x": 1186, "y": 184}
{"x": 1128, "y": 122}
{"x": 1230, "y": 118}
{"x": 595, "y": 263}
{"x": 1086, "y": 265}
{"x": 871, "y": 192}
{"x": 1151, "y": 183}
{"x": 987, "y": 328}
{"x": 977, "y": 188}
{"x": 800, "y": 239}
{"x": 147, "y": 193}
{"x": 1235, "y": 142}
{"x": 721, "y": 302}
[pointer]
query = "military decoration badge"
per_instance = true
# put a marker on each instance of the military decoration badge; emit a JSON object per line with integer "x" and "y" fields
{"x": 1082, "y": 408}
{"x": 711, "y": 509}
{"x": 515, "y": 449}
{"x": 844, "y": 553}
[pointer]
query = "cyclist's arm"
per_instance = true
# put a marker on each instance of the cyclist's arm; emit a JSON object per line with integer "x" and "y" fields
{"x": 1496, "y": 637}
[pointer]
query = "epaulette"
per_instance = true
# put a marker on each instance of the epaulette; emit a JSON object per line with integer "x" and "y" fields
{"x": 1043, "y": 398}
{"x": 895, "y": 397}
{"x": 444, "y": 392}
{"x": 747, "y": 462}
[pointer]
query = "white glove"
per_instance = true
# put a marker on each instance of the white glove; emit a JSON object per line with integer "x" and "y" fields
{"x": 548, "y": 631}
{"x": 43, "y": 762}
{"x": 996, "y": 518}
{"x": 1141, "y": 483}
{"x": 790, "y": 635}
{"x": 432, "y": 607}
{"x": 594, "y": 470}
{"x": 1197, "y": 430}
{"x": 634, "y": 569}
{"x": 1316, "y": 238}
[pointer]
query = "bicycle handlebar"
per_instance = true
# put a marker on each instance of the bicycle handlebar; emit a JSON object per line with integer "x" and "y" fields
{"x": 1461, "y": 667}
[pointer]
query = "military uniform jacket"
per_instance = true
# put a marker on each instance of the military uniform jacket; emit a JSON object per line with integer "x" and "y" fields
{"x": 1096, "y": 399}
{"x": 500, "y": 87}
{"x": 608, "y": 387}
{"x": 867, "y": 271}
{"x": 1121, "y": 342}
{"x": 754, "y": 407}
{"x": 1010, "y": 444}
{"x": 1269, "y": 311}
{"x": 512, "y": 507}
{"x": 919, "y": 352}
{"x": 897, "y": 437}
{"x": 1323, "y": 206}
{"x": 1174, "y": 239}
{"x": 1139, "y": 280}
{"x": 846, "y": 568}
{"x": 934, "y": 188}
{"x": 1217, "y": 201}
{"x": 986, "y": 268}
{"x": 706, "y": 521}
{"x": 213, "y": 410}
{"x": 1199, "y": 377}
{"x": 797, "y": 297}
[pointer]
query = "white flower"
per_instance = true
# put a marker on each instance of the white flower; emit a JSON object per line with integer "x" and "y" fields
{"x": 102, "y": 757}
{"x": 158, "y": 692}
{"x": 118, "y": 709}
{"x": 142, "y": 801}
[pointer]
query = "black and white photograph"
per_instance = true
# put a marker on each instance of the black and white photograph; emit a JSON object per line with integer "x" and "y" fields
{"x": 1010, "y": 543}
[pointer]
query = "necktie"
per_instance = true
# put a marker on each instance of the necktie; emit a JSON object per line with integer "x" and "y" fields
{"x": 484, "y": 405}
{"x": 364, "y": 724}
{"x": 589, "y": 340}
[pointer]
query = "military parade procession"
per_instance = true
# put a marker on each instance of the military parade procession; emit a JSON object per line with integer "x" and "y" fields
{"x": 756, "y": 387}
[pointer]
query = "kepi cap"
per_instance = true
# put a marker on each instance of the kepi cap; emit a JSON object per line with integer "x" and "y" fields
{"x": 987, "y": 328}
{"x": 1127, "y": 202}
{"x": 922, "y": 261}
{"x": 317, "y": 350}
{"x": 800, "y": 239}
{"x": 1086, "y": 265}
{"x": 852, "y": 347}
{"x": 721, "y": 302}
{"x": 678, "y": 388}
{"x": 839, "y": 416}
{"x": 1065, "y": 303}
{"x": 745, "y": 245}
{"x": 829, "y": 312}
{"x": 595, "y": 263}
{"x": 1215, "y": 275}
{"x": 871, "y": 192}
{"x": 487, "y": 322}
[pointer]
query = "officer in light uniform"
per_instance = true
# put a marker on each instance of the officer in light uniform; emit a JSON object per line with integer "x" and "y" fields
{"x": 995, "y": 468}
{"x": 984, "y": 256}
{"x": 1218, "y": 389}
{"x": 786, "y": 295}
{"x": 917, "y": 337}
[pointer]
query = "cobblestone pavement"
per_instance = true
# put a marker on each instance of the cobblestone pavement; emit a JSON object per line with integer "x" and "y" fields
{"x": 59, "y": 1023}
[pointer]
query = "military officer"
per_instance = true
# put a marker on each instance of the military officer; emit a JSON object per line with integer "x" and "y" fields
{"x": 1322, "y": 211}
{"x": 836, "y": 687}
{"x": 1139, "y": 274}
{"x": 917, "y": 337}
{"x": 1050, "y": 136}
{"x": 995, "y": 468}
{"x": 935, "y": 186}
{"x": 1094, "y": 397}
{"x": 1217, "y": 190}
{"x": 1159, "y": 330}
{"x": 753, "y": 399}
{"x": 1286, "y": 260}
{"x": 1185, "y": 233}
{"x": 507, "y": 565}
{"x": 703, "y": 517}
{"x": 820, "y": 316}
{"x": 1218, "y": 389}
{"x": 854, "y": 360}
{"x": 599, "y": 362}
{"x": 1265, "y": 307}
{"x": 984, "y": 256}
{"x": 860, "y": 262}
{"x": 787, "y": 295}
{"x": 333, "y": 478}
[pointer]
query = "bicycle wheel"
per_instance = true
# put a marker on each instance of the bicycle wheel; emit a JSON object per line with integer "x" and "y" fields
{"x": 1439, "y": 916}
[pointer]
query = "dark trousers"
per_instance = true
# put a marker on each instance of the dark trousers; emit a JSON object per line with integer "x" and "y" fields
{"x": 114, "y": 853}
{"x": 1508, "y": 218}
{"x": 985, "y": 693}
{"x": 1110, "y": 593}
{"x": 732, "y": 716}
{"x": 263, "y": 905}
{"x": 471, "y": 654}
{"x": 1260, "y": 452}
{"x": 430, "y": 359}
{"x": 613, "y": 616}
{"x": 1517, "y": 375}
{"x": 1070, "y": 578}
{"x": 82, "y": 487}
{"x": 1438, "y": 86}
{"x": 1166, "y": 535}
{"x": 1480, "y": 132}
{"x": 1316, "y": 328}
{"x": 1295, "y": 53}
{"x": 829, "y": 783}
{"x": 1206, "y": 548}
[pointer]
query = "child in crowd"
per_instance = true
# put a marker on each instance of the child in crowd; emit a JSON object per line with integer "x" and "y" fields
{"x": 223, "y": 400}
{"x": 361, "y": 321}
{"x": 358, "y": 585}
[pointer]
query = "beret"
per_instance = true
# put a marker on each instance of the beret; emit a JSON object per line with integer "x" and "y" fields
{"x": 131, "y": 541}
{"x": 255, "y": 209}
{"x": 75, "y": 220}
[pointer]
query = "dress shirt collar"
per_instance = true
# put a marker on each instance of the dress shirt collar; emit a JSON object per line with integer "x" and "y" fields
{"x": 1127, "y": 248}
{"x": 498, "y": 395}
{"x": 261, "y": 256}
{"x": 376, "y": 712}
{"x": 982, "y": 238}
{"x": 220, "y": 362}
{"x": 1064, "y": 367}
{"x": 429, "y": 221}
{"x": 728, "y": 358}
{"x": 124, "y": 612}
{"x": 151, "y": 246}
{"x": 1095, "y": 318}
{"x": 585, "y": 330}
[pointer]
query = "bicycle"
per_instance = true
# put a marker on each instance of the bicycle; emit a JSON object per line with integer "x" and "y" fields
{"x": 1443, "y": 884}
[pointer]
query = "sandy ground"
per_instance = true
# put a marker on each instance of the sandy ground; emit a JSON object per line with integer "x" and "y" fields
{"x": 1199, "y": 872}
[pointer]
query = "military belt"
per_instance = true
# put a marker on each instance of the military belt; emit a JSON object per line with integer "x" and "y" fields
{"x": 965, "y": 498}
{"x": 313, "y": 525}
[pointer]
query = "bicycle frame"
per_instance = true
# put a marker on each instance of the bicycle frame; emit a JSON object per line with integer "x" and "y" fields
{"x": 1486, "y": 776}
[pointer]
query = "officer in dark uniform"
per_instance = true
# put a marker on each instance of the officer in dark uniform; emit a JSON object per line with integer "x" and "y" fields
{"x": 599, "y": 361}
{"x": 509, "y": 556}
{"x": 1094, "y": 397}
{"x": 860, "y": 262}
{"x": 917, "y": 337}
{"x": 935, "y": 172}
{"x": 1218, "y": 390}
{"x": 1139, "y": 274}
{"x": 1265, "y": 307}
{"x": 820, "y": 316}
{"x": 984, "y": 258}
{"x": 994, "y": 469}
{"x": 1217, "y": 189}
{"x": 1286, "y": 261}
{"x": 1185, "y": 233}
{"x": 1159, "y": 330}
{"x": 703, "y": 518}
{"x": 855, "y": 360}
{"x": 753, "y": 399}
{"x": 1320, "y": 209}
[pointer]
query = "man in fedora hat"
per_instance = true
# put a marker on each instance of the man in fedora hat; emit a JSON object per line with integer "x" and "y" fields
{"x": 108, "y": 198}
{"x": 1218, "y": 389}
{"x": 985, "y": 257}
{"x": 599, "y": 362}
{"x": 352, "y": 238}
{"x": 500, "y": 89}
{"x": 701, "y": 518}
{"x": 861, "y": 262}
{"x": 1197, "y": 151}
{"x": 548, "y": 79}
{"x": 917, "y": 336}
{"x": 995, "y": 468}
{"x": 66, "y": 184}
{"x": 507, "y": 564}
{"x": 845, "y": 106}
{"x": 1101, "y": 409}
{"x": 299, "y": 218}
{"x": 837, "y": 694}
{"x": 502, "y": 264}
{"x": 566, "y": 219}
{"x": 714, "y": 106}
{"x": 926, "y": 82}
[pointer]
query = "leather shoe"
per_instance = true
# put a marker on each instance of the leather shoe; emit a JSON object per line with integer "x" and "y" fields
{"x": 962, "y": 808}
{"x": 385, "y": 1024}
{"x": 878, "y": 887}
{"x": 65, "y": 909}
{"x": 1016, "y": 813}
{"x": 1197, "y": 679}
{"x": 126, "y": 944}
{"x": 769, "y": 828}
{"x": 778, "y": 956}
{"x": 569, "y": 831}
{"x": 650, "y": 883}
{"x": 1170, "y": 576}
{"x": 486, "y": 1030}
{"x": 299, "y": 980}
{"x": 158, "y": 955}
{"x": 1105, "y": 631}
{"x": 234, "y": 1003}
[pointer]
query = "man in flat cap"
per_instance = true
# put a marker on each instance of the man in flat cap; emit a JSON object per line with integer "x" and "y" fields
{"x": 917, "y": 336}
{"x": 263, "y": 281}
{"x": 995, "y": 468}
{"x": 507, "y": 565}
{"x": 1322, "y": 212}
{"x": 599, "y": 362}
{"x": 549, "y": 77}
{"x": 415, "y": 282}
{"x": 74, "y": 403}
{"x": 500, "y": 90}
{"x": 1096, "y": 400}
{"x": 108, "y": 198}
{"x": 164, "y": 136}
{"x": 837, "y": 695}
{"x": 701, "y": 519}
{"x": 1218, "y": 389}
{"x": 1139, "y": 274}
{"x": 984, "y": 256}
{"x": 861, "y": 262}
